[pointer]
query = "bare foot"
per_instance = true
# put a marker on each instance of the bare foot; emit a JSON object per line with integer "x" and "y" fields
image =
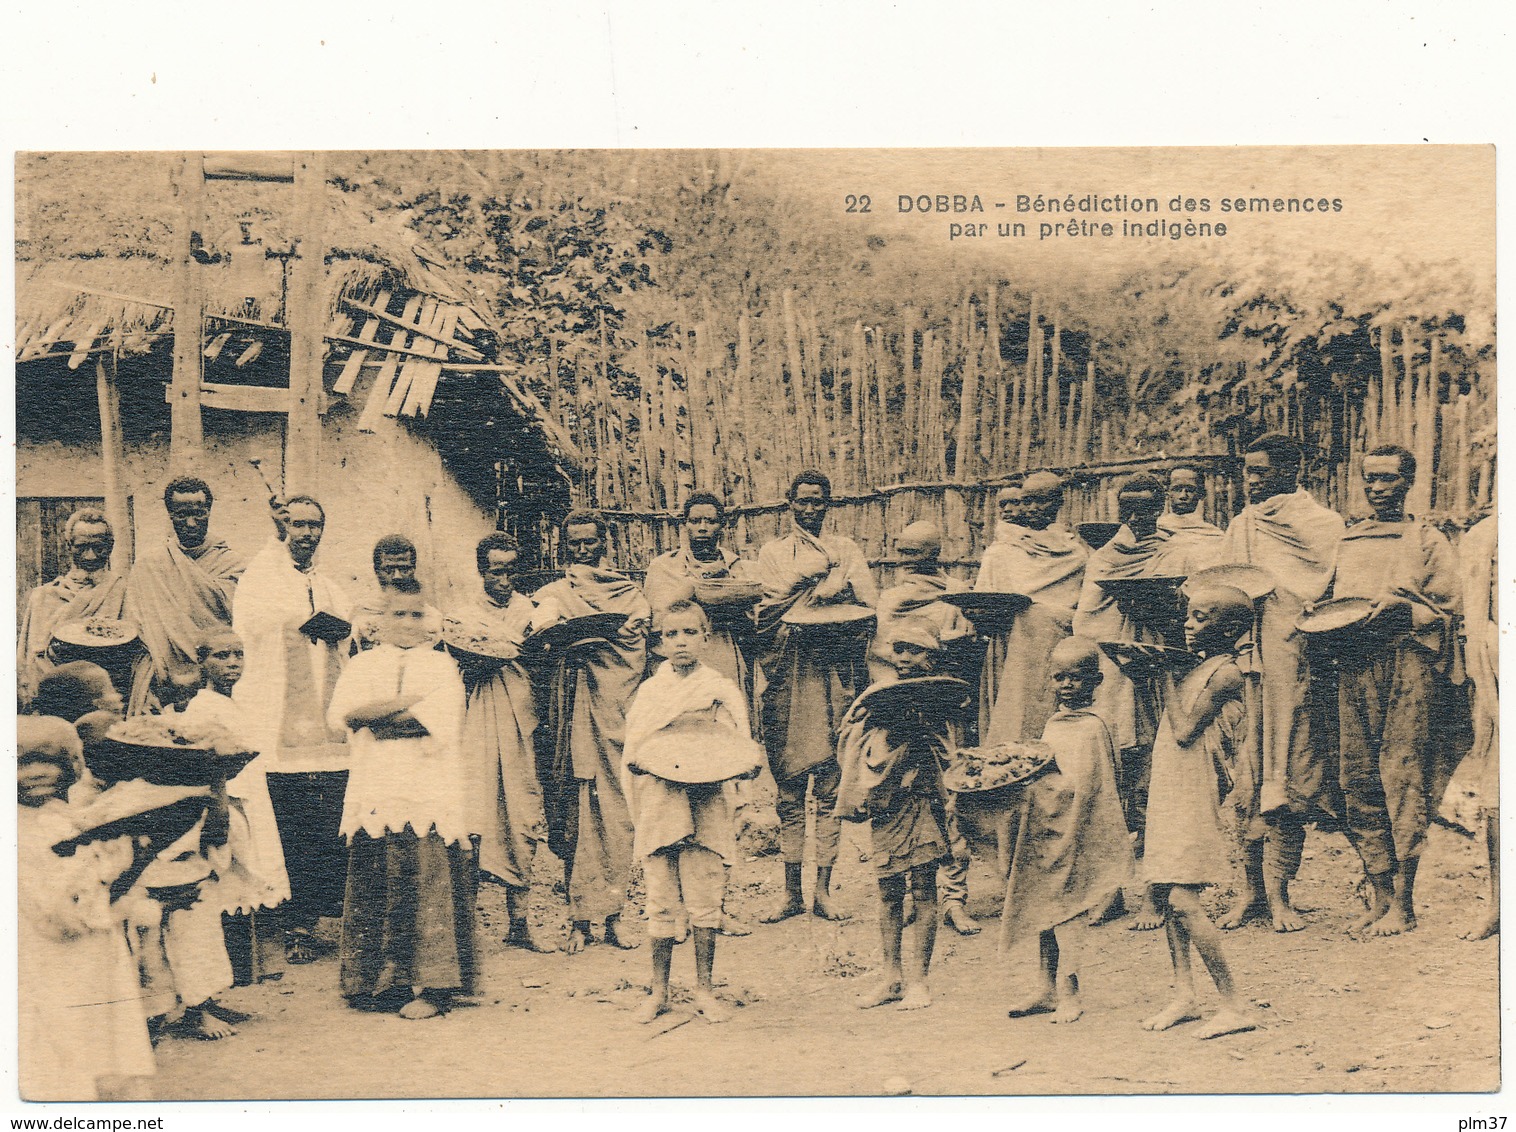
{"x": 886, "y": 994}
{"x": 1069, "y": 1010}
{"x": 1145, "y": 917}
{"x": 792, "y": 907}
{"x": 419, "y": 1008}
{"x": 958, "y": 918}
{"x": 917, "y": 997}
{"x": 1393, "y": 922}
{"x": 205, "y": 1026}
{"x": 1254, "y": 909}
{"x": 579, "y": 937}
{"x": 1487, "y": 927}
{"x": 1285, "y": 918}
{"x": 1180, "y": 1010}
{"x": 650, "y": 1010}
{"x": 1044, "y": 1002}
{"x": 521, "y": 936}
{"x": 615, "y": 940}
{"x": 1225, "y": 1021}
{"x": 1362, "y": 922}
{"x": 822, "y": 909}
{"x": 709, "y": 1007}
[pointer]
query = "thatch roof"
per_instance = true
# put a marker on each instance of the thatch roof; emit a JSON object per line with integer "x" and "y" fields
{"x": 116, "y": 294}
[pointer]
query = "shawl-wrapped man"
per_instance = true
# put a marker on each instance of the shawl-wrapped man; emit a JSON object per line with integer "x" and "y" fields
{"x": 672, "y": 577}
{"x": 177, "y": 592}
{"x": 89, "y": 588}
{"x": 1038, "y": 557}
{"x": 498, "y": 733}
{"x": 700, "y": 557}
{"x": 814, "y": 672}
{"x": 1395, "y": 700}
{"x": 1194, "y": 544}
{"x": 1130, "y": 708}
{"x": 1295, "y": 540}
{"x": 919, "y": 593}
{"x": 589, "y": 824}
{"x": 286, "y": 690}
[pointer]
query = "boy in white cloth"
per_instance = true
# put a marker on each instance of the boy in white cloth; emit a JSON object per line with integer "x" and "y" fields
{"x": 408, "y": 913}
{"x": 684, "y": 831}
{"x": 1194, "y": 757}
{"x": 253, "y": 882}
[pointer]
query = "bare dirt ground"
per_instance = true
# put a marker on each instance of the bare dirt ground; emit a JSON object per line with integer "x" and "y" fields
{"x": 1415, "y": 1013}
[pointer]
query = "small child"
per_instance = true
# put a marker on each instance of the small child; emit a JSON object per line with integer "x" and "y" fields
{"x": 891, "y": 776}
{"x": 1186, "y": 849}
{"x": 1072, "y": 850}
{"x": 253, "y": 882}
{"x": 684, "y": 830}
{"x": 75, "y": 689}
{"x": 408, "y": 911}
{"x": 81, "y": 1025}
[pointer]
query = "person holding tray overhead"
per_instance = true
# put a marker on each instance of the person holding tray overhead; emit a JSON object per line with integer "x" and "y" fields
{"x": 686, "y": 734}
{"x": 589, "y": 825}
{"x": 292, "y": 618}
{"x": 818, "y": 593}
{"x": 498, "y": 729}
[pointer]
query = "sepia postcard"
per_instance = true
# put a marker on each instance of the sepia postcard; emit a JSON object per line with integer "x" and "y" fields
{"x": 464, "y": 599}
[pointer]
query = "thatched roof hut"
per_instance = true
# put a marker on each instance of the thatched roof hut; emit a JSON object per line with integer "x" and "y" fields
{"x": 419, "y": 419}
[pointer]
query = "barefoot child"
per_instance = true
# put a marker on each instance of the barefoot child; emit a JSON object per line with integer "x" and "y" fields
{"x": 1072, "y": 852}
{"x": 1186, "y": 849}
{"x": 253, "y": 881}
{"x": 892, "y": 777}
{"x": 684, "y": 831}
{"x": 408, "y": 912}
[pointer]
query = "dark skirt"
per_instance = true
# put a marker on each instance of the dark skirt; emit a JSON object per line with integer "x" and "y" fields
{"x": 910, "y": 836}
{"x": 408, "y": 917}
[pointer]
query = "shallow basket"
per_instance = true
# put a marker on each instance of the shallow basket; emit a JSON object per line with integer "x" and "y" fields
{"x": 698, "y": 751}
{"x": 1028, "y": 761}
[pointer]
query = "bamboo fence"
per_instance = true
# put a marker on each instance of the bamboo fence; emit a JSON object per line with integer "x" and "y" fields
{"x": 918, "y": 420}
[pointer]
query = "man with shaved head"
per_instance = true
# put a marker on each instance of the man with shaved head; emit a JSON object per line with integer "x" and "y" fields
{"x": 1194, "y": 544}
{"x": 1034, "y": 555}
{"x": 918, "y": 593}
{"x": 178, "y": 590}
{"x": 1295, "y": 540}
{"x": 1130, "y": 708}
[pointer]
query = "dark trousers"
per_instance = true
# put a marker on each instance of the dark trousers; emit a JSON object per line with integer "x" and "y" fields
{"x": 308, "y": 810}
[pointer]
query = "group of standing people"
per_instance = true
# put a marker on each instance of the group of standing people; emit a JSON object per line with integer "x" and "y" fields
{"x": 388, "y": 779}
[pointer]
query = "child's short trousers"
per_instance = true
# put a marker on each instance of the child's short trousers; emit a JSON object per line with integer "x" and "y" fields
{"x": 693, "y": 876}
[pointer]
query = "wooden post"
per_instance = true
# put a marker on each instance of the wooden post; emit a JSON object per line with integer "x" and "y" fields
{"x": 185, "y": 430}
{"x": 112, "y": 456}
{"x": 307, "y": 323}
